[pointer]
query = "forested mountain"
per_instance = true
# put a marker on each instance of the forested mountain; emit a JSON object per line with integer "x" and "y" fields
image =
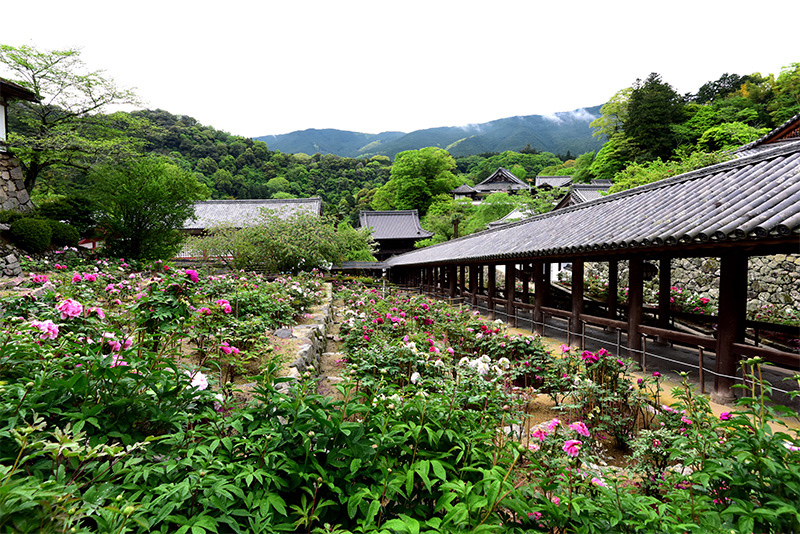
{"x": 558, "y": 133}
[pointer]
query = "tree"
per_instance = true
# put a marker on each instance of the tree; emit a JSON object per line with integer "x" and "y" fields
{"x": 614, "y": 113}
{"x": 143, "y": 203}
{"x": 417, "y": 176}
{"x": 66, "y": 126}
{"x": 654, "y": 108}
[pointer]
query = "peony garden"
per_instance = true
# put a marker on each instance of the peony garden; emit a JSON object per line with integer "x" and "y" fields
{"x": 122, "y": 411}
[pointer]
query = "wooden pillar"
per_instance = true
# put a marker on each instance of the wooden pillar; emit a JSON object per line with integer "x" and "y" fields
{"x": 526, "y": 285}
{"x": 547, "y": 277}
{"x": 462, "y": 273}
{"x": 635, "y": 303}
{"x": 481, "y": 282}
{"x": 730, "y": 328}
{"x": 473, "y": 283}
{"x": 613, "y": 288}
{"x": 541, "y": 287}
{"x": 491, "y": 288}
{"x": 442, "y": 279}
{"x": 451, "y": 279}
{"x": 511, "y": 293}
{"x": 577, "y": 301}
{"x": 664, "y": 293}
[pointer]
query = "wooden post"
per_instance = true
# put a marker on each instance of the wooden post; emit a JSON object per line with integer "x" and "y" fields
{"x": 442, "y": 279}
{"x": 577, "y": 300}
{"x": 451, "y": 275}
{"x": 481, "y": 281}
{"x": 613, "y": 288}
{"x": 664, "y": 293}
{"x": 540, "y": 288}
{"x": 511, "y": 293}
{"x": 473, "y": 283}
{"x": 730, "y": 328}
{"x": 492, "y": 288}
{"x": 462, "y": 282}
{"x": 526, "y": 285}
{"x": 635, "y": 303}
{"x": 547, "y": 277}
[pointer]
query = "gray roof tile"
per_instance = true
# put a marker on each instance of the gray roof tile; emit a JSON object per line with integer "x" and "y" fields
{"x": 398, "y": 224}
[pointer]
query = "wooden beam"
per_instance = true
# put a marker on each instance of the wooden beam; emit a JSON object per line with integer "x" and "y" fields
{"x": 730, "y": 326}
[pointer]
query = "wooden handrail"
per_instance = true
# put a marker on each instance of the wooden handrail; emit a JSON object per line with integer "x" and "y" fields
{"x": 769, "y": 354}
{"x": 603, "y": 321}
{"x": 680, "y": 337}
{"x": 556, "y": 312}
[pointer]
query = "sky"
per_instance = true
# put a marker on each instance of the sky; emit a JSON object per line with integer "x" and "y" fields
{"x": 265, "y": 67}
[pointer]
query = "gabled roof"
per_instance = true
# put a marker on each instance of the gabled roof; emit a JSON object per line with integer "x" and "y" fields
{"x": 743, "y": 202}
{"x": 501, "y": 180}
{"x": 513, "y": 216}
{"x": 242, "y": 213}
{"x": 786, "y": 132}
{"x": 13, "y": 91}
{"x": 398, "y": 224}
{"x": 580, "y": 193}
{"x": 553, "y": 181}
{"x": 463, "y": 190}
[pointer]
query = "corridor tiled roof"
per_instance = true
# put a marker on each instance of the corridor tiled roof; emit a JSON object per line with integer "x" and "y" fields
{"x": 745, "y": 199}
{"x": 398, "y": 224}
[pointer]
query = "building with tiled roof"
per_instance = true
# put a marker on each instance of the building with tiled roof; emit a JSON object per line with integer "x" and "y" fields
{"x": 552, "y": 181}
{"x": 787, "y": 132}
{"x": 501, "y": 181}
{"x": 241, "y": 213}
{"x": 395, "y": 232}
{"x": 580, "y": 193}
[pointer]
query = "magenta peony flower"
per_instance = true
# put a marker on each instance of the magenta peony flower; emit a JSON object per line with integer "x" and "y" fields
{"x": 725, "y": 416}
{"x": 572, "y": 447}
{"x": 70, "y": 308}
{"x": 192, "y": 274}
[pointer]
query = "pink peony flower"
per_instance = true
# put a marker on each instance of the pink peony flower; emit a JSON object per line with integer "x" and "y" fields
{"x": 48, "y": 327}
{"x": 76, "y": 278}
{"x": 725, "y": 416}
{"x": 192, "y": 274}
{"x": 553, "y": 424}
{"x": 572, "y": 447}
{"x": 70, "y": 308}
{"x": 580, "y": 428}
{"x": 118, "y": 361}
{"x": 226, "y": 306}
{"x": 597, "y": 482}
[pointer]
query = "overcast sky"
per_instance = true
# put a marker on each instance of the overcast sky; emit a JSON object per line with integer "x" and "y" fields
{"x": 268, "y": 67}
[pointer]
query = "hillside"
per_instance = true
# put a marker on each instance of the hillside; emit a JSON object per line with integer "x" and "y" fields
{"x": 558, "y": 133}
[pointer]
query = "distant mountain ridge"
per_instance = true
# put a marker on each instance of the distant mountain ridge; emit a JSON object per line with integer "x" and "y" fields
{"x": 557, "y": 133}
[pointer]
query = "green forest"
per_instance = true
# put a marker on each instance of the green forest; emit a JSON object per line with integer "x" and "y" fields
{"x": 649, "y": 132}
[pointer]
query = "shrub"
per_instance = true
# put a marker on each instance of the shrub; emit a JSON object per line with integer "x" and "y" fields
{"x": 30, "y": 234}
{"x": 63, "y": 234}
{"x": 9, "y": 216}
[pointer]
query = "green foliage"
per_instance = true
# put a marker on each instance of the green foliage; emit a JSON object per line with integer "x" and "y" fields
{"x": 63, "y": 234}
{"x": 418, "y": 176}
{"x": 66, "y": 126}
{"x": 143, "y": 205}
{"x": 286, "y": 243}
{"x": 77, "y": 210}
{"x": 653, "y": 108}
{"x": 637, "y": 174}
{"x": 32, "y": 235}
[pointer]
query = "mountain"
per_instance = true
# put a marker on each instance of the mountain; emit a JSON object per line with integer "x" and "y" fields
{"x": 557, "y": 133}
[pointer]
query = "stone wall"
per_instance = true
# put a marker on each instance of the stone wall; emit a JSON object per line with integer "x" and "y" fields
{"x": 772, "y": 280}
{"x": 13, "y": 195}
